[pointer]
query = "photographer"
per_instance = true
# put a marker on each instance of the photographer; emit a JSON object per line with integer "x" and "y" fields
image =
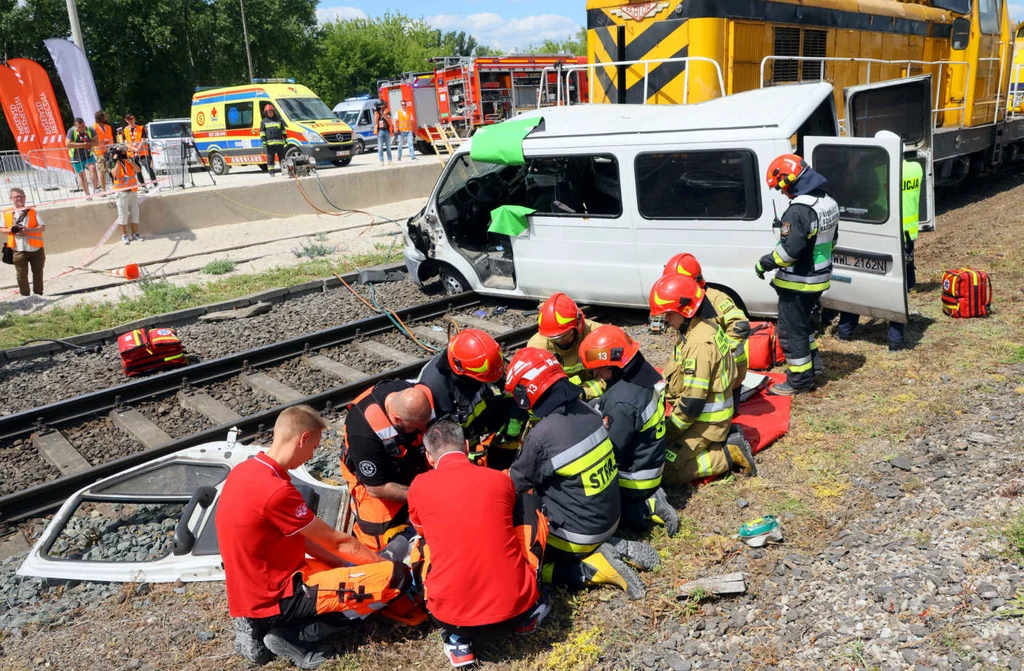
{"x": 126, "y": 186}
{"x": 382, "y": 122}
{"x": 24, "y": 231}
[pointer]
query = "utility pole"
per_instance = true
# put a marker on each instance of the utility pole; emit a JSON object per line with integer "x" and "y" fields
{"x": 245, "y": 36}
{"x": 76, "y": 27}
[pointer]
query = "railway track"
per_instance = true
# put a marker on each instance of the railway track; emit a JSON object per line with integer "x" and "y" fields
{"x": 271, "y": 373}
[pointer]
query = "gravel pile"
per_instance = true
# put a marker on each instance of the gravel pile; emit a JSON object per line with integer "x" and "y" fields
{"x": 32, "y": 383}
{"x": 118, "y": 532}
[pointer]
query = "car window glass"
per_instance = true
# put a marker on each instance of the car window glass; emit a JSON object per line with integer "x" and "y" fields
{"x": 305, "y": 109}
{"x": 238, "y": 115}
{"x": 698, "y": 185}
{"x": 174, "y": 479}
{"x": 574, "y": 186}
{"x": 858, "y": 179}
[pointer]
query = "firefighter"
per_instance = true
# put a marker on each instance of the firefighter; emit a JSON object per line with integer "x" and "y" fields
{"x": 730, "y": 319}
{"x": 561, "y": 327}
{"x": 383, "y": 452}
{"x": 633, "y": 407}
{"x": 802, "y": 260}
{"x": 569, "y": 461}
{"x": 700, "y": 441}
{"x": 272, "y": 134}
{"x": 460, "y": 380}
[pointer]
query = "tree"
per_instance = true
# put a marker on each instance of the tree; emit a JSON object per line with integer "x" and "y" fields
{"x": 576, "y": 46}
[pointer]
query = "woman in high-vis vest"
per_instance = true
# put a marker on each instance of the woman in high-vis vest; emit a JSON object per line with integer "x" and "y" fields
{"x": 24, "y": 230}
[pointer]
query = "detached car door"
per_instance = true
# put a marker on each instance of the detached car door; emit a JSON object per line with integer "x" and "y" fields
{"x": 864, "y": 178}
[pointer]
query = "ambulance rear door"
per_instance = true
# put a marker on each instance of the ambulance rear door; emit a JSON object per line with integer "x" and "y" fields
{"x": 864, "y": 178}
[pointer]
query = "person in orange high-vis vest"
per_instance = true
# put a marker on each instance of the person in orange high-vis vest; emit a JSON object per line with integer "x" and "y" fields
{"x": 104, "y": 138}
{"x": 135, "y": 138}
{"x": 126, "y": 186}
{"x": 382, "y": 454}
{"x": 403, "y": 123}
{"x": 24, "y": 231}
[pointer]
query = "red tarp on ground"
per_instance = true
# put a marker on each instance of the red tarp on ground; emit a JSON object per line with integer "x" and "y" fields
{"x": 765, "y": 418}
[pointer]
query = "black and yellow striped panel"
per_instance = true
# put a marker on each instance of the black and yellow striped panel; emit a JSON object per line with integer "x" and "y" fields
{"x": 652, "y": 40}
{"x": 603, "y": 47}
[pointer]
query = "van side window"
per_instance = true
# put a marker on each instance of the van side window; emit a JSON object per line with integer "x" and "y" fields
{"x": 238, "y": 115}
{"x": 364, "y": 118}
{"x": 574, "y": 186}
{"x": 858, "y": 178}
{"x": 698, "y": 185}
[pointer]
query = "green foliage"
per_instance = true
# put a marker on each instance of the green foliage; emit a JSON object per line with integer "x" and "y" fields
{"x": 219, "y": 267}
{"x": 579, "y": 653}
{"x": 573, "y": 47}
{"x": 1015, "y": 533}
{"x": 314, "y": 248}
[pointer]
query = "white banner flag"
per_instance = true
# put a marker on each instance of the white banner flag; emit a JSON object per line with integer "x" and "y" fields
{"x": 76, "y": 75}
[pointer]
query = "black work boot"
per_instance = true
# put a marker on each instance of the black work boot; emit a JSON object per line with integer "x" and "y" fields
{"x": 637, "y": 553}
{"x": 786, "y": 389}
{"x": 663, "y": 513}
{"x": 281, "y": 642}
{"x": 249, "y": 641}
{"x": 739, "y": 455}
{"x": 604, "y": 567}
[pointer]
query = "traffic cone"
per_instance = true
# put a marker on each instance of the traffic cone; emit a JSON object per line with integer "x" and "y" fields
{"x": 129, "y": 272}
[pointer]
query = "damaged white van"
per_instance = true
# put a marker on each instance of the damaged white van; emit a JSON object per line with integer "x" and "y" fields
{"x": 592, "y": 200}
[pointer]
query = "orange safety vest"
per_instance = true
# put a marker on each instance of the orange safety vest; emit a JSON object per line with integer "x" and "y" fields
{"x": 35, "y": 238}
{"x": 123, "y": 175}
{"x": 134, "y": 136}
{"x": 377, "y": 520}
{"x": 404, "y": 121}
{"x": 104, "y": 137}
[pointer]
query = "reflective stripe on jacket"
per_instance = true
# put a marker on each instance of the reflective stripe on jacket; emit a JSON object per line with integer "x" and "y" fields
{"x": 700, "y": 379}
{"x": 272, "y": 131}
{"x": 570, "y": 360}
{"x": 808, "y": 235}
{"x": 910, "y": 193}
{"x": 636, "y": 419}
{"x": 736, "y": 325}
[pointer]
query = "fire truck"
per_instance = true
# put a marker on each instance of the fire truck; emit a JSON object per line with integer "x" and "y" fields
{"x": 462, "y": 94}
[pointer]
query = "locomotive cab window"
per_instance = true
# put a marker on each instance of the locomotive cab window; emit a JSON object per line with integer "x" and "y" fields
{"x": 988, "y": 16}
{"x": 858, "y": 179}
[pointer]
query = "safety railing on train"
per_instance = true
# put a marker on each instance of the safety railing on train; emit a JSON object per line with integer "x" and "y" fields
{"x": 571, "y": 73}
{"x": 873, "y": 66}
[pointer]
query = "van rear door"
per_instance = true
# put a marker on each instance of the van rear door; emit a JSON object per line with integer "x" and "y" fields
{"x": 864, "y": 177}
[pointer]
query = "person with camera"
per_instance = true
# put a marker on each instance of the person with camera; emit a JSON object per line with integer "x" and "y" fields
{"x": 382, "y": 122}
{"x": 80, "y": 140}
{"x": 104, "y": 138}
{"x": 24, "y": 231}
{"x": 126, "y": 186}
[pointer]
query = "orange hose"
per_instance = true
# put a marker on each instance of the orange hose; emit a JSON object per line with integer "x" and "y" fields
{"x": 408, "y": 331}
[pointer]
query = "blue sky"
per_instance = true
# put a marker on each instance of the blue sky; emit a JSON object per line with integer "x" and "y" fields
{"x": 504, "y": 24}
{"x": 507, "y": 24}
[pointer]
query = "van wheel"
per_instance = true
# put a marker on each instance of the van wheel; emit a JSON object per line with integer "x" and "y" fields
{"x": 218, "y": 165}
{"x": 264, "y": 167}
{"x": 291, "y": 152}
{"x": 453, "y": 282}
{"x": 360, "y": 147}
{"x": 424, "y": 147}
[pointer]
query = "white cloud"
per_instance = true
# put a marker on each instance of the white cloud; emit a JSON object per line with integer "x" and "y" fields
{"x": 328, "y": 14}
{"x": 496, "y": 31}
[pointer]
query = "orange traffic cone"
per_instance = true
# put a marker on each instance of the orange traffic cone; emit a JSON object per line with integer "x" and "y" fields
{"x": 129, "y": 272}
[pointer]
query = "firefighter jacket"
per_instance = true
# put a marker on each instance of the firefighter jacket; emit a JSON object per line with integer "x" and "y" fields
{"x": 634, "y": 413}
{"x": 570, "y": 360}
{"x": 272, "y": 131}
{"x": 700, "y": 379}
{"x": 569, "y": 460}
{"x": 736, "y": 325}
{"x": 473, "y": 405}
{"x": 808, "y": 234}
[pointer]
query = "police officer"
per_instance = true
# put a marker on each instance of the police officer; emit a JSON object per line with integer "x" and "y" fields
{"x": 730, "y": 317}
{"x": 272, "y": 134}
{"x": 561, "y": 327}
{"x": 700, "y": 440}
{"x": 910, "y": 191}
{"x": 460, "y": 380}
{"x": 633, "y": 407}
{"x": 802, "y": 260}
{"x": 569, "y": 461}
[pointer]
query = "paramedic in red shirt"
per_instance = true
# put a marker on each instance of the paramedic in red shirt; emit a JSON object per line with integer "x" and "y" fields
{"x": 281, "y": 600}
{"x": 484, "y": 546}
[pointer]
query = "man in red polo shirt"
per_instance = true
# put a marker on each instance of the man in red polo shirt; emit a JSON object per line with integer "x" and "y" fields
{"x": 484, "y": 546}
{"x": 278, "y": 597}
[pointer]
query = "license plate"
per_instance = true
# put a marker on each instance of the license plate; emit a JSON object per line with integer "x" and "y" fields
{"x": 861, "y": 263}
{"x": 342, "y": 153}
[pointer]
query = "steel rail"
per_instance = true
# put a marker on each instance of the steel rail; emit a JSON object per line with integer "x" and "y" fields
{"x": 23, "y": 424}
{"x": 49, "y": 495}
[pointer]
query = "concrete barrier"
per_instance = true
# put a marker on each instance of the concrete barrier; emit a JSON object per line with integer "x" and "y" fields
{"x": 80, "y": 226}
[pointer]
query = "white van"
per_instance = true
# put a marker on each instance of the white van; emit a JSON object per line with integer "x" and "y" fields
{"x": 166, "y": 137}
{"x": 618, "y": 189}
{"x": 358, "y": 114}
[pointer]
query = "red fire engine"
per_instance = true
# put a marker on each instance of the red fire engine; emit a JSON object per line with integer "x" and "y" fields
{"x": 471, "y": 92}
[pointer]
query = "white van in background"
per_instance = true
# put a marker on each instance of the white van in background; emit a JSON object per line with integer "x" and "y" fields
{"x": 358, "y": 114}
{"x": 166, "y": 137}
{"x": 618, "y": 189}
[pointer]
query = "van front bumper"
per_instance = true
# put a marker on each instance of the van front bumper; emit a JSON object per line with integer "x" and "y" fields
{"x": 329, "y": 152}
{"x": 414, "y": 258}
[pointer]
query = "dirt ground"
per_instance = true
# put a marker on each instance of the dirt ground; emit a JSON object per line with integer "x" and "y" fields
{"x": 891, "y": 472}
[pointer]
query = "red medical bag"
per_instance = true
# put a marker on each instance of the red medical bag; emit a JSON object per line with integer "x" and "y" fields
{"x": 966, "y": 292}
{"x": 764, "y": 351}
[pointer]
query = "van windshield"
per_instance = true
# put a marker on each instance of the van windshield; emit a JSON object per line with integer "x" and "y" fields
{"x": 305, "y": 109}
{"x": 160, "y": 131}
{"x": 348, "y": 116}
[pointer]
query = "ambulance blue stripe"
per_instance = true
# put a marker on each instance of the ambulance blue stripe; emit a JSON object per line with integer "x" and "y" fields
{"x": 230, "y": 98}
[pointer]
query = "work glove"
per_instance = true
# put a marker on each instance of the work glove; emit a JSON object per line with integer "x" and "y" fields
{"x": 759, "y": 270}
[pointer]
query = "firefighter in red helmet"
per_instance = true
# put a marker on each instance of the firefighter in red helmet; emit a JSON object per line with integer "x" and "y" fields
{"x": 808, "y": 232}
{"x": 730, "y": 319}
{"x": 272, "y": 134}
{"x": 569, "y": 461}
{"x": 561, "y": 327}
{"x": 700, "y": 375}
{"x": 633, "y": 407}
{"x": 461, "y": 381}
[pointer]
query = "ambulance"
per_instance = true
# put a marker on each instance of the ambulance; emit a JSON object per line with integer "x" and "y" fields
{"x": 226, "y": 125}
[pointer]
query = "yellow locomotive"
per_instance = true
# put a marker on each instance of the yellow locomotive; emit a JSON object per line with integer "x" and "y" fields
{"x": 686, "y": 51}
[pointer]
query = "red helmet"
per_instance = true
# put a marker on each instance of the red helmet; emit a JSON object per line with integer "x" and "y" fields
{"x": 476, "y": 354}
{"x": 676, "y": 293}
{"x": 607, "y": 346}
{"x": 785, "y": 170}
{"x": 558, "y": 316}
{"x": 531, "y": 372}
{"x": 268, "y": 108}
{"x": 685, "y": 264}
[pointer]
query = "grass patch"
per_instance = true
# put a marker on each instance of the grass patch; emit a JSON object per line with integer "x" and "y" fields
{"x": 160, "y": 296}
{"x": 314, "y": 248}
{"x": 219, "y": 267}
{"x": 579, "y": 653}
{"x": 1015, "y": 534}
{"x": 1016, "y": 356}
